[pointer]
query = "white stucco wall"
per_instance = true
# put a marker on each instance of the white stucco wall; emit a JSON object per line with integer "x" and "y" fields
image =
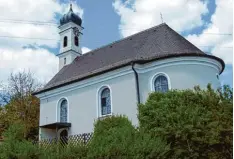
{"x": 71, "y": 51}
{"x": 83, "y": 100}
{"x": 182, "y": 73}
{"x": 67, "y": 30}
{"x": 46, "y": 133}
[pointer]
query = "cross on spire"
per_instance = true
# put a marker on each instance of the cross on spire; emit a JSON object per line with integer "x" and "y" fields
{"x": 161, "y": 17}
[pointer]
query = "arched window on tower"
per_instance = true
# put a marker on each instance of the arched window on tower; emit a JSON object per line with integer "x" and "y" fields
{"x": 63, "y": 111}
{"x": 65, "y": 41}
{"x": 76, "y": 41}
{"x": 161, "y": 84}
{"x": 65, "y": 61}
{"x": 105, "y": 102}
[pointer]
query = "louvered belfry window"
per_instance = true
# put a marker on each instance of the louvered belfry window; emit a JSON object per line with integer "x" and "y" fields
{"x": 76, "y": 41}
{"x": 65, "y": 41}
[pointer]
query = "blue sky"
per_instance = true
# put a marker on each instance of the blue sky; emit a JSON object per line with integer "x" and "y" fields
{"x": 106, "y": 21}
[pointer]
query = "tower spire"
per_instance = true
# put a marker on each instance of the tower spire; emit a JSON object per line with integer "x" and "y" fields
{"x": 70, "y": 5}
{"x": 69, "y": 30}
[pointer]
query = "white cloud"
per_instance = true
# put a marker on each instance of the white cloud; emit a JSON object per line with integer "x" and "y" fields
{"x": 85, "y": 50}
{"x": 13, "y": 55}
{"x": 76, "y": 9}
{"x": 40, "y": 62}
{"x": 42, "y": 10}
{"x": 181, "y": 15}
{"x": 138, "y": 15}
{"x": 221, "y": 22}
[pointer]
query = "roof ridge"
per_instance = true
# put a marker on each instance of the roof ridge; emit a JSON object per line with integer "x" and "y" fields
{"x": 154, "y": 27}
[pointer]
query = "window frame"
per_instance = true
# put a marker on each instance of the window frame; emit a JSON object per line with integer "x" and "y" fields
{"x": 58, "y": 109}
{"x": 76, "y": 37}
{"x": 217, "y": 77}
{"x": 65, "y": 41}
{"x": 64, "y": 61}
{"x": 99, "y": 99}
{"x": 156, "y": 76}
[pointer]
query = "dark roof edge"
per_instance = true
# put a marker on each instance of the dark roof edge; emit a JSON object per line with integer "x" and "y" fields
{"x": 188, "y": 55}
{"x": 141, "y": 61}
{"x": 75, "y": 52}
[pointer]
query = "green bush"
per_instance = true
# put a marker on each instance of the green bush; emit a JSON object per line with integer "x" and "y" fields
{"x": 196, "y": 123}
{"x": 60, "y": 151}
{"x": 177, "y": 124}
{"x": 15, "y": 146}
{"x": 76, "y": 152}
{"x": 149, "y": 147}
{"x": 115, "y": 137}
{"x": 112, "y": 138}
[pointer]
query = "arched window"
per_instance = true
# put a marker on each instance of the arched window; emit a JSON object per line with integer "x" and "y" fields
{"x": 76, "y": 41}
{"x": 65, "y": 41}
{"x": 65, "y": 61}
{"x": 63, "y": 111}
{"x": 217, "y": 76}
{"x": 161, "y": 84}
{"x": 105, "y": 102}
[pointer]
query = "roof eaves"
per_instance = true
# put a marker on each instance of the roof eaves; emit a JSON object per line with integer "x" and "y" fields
{"x": 127, "y": 62}
{"x": 85, "y": 76}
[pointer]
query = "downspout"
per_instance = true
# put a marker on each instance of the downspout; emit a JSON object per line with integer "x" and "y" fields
{"x": 137, "y": 83}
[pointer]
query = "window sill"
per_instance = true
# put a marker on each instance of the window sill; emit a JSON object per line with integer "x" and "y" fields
{"x": 104, "y": 116}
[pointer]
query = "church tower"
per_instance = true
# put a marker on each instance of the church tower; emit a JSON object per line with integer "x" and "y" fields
{"x": 70, "y": 34}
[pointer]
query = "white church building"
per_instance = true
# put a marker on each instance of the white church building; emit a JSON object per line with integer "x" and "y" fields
{"x": 114, "y": 78}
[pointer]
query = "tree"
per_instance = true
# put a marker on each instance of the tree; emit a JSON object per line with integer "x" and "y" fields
{"x": 197, "y": 123}
{"x": 20, "y": 106}
{"x": 20, "y": 85}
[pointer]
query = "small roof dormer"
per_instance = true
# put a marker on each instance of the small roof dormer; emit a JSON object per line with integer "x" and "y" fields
{"x": 71, "y": 17}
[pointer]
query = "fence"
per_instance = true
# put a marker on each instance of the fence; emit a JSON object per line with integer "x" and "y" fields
{"x": 82, "y": 139}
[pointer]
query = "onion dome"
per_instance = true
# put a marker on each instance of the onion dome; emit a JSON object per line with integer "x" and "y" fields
{"x": 70, "y": 17}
